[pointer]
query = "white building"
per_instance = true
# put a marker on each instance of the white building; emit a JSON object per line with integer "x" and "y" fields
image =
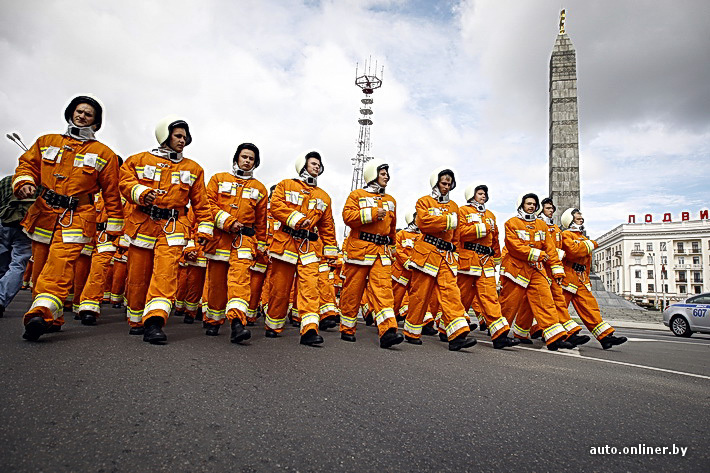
{"x": 654, "y": 262}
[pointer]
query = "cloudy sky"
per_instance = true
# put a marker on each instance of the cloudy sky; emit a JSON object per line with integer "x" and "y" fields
{"x": 465, "y": 85}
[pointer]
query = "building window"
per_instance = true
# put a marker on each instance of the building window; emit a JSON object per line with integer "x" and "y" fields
{"x": 638, "y": 287}
{"x": 681, "y": 249}
{"x": 698, "y": 289}
{"x": 696, "y": 247}
{"x": 638, "y": 274}
{"x": 649, "y": 260}
{"x": 664, "y": 259}
{"x": 650, "y": 274}
{"x": 681, "y": 276}
{"x": 663, "y": 246}
{"x": 637, "y": 246}
{"x": 649, "y": 246}
{"x": 681, "y": 289}
{"x": 651, "y": 288}
{"x": 697, "y": 276}
{"x": 664, "y": 274}
{"x": 696, "y": 259}
{"x": 681, "y": 260}
{"x": 665, "y": 288}
{"x": 637, "y": 260}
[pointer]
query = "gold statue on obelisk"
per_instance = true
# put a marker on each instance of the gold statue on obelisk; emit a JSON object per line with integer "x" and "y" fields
{"x": 562, "y": 22}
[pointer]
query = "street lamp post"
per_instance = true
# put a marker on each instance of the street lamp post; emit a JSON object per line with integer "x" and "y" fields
{"x": 655, "y": 279}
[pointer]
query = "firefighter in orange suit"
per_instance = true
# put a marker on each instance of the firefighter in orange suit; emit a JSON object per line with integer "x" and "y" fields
{"x": 434, "y": 265}
{"x": 160, "y": 183}
{"x": 577, "y": 288}
{"x": 239, "y": 204}
{"x": 404, "y": 243}
{"x": 195, "y": 268}
{"x": 479, "y": 252}
{"x": 528, "y": 246}
{"x": 371, "y": 215}
{"x": 301, "y": 207}
{"x": 524, "y": 318}
{"x": 65, "y": 171}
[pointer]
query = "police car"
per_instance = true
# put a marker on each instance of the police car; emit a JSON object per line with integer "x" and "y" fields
{"x": 692, "y": 315}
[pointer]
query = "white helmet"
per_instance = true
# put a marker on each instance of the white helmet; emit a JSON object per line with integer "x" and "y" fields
{"x": 373, "y": 168}
{"x": 436, "y": 175}
{"x": 410, "y": 216}
{"x": 567, "y": 217}
{"x": 471, "y": 190}
{"x": 302, "y": 158}
{"x": 165, "y": 127}
{"x": 87, "y": 99}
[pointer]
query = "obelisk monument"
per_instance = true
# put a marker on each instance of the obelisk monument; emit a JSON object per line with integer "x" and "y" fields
{"x": 564, "y": 124}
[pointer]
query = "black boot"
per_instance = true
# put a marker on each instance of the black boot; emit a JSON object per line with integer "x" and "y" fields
{"x": 136, "y": 331}
{"x": 472, "y": 326}
{"x": 34, "y": 328}
{"x": 610, "y": 341}
{"x": 188, "y": 319}
{"x": 347, "y": 337}
{"x": 87, "y": 318}
{"x": 536, "y": 334}
{"x": 369, "y": 320}
{"x": 412, "y": 340}
{"x": 461, "y": 342}
{"x": 268, "y": 333}
{"x": 429, "y": 330}
{"x": 524, "y": 341}
{"x": 483, "y": 327}
{"x": 559, "y": 343}
{"x": 391, "y": 337}
{"x": 77, "y": 317}
{"x": 154, "y": 331}
{"x": 116, "y": 305}
{"x": 503, "y": 342}
{"x": 199, "y": 314}
{"x": 54, "y": 328}
{"x": 239, "y": 333}
{"x": 443, "y": 337}
{"x": 212, "y": 330}
{"x": 327, "y": 323}
{"x": 578, "y": 340}
{"x": 311, "y": 338}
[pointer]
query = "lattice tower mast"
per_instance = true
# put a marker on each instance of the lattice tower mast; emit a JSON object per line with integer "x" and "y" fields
{"x": 368, "y": 82}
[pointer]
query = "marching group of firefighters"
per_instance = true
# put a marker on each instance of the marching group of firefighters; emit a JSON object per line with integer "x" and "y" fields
{"x": 148, "y": 231}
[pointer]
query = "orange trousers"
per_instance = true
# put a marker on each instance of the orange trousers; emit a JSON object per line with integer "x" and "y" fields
{"x": 541, "y": 303}
{"x": 118, "y": 284}
{"x": 40, "y": 253}
{"x": 92, "y": 293}
{"x": 524, "y": 319}
{"x": 453, "y": 313}
{"x": 81, "y": 274}
{"x": 379, "y": 279}
{"x": 587, "y": 308}
{"x": 328, "y": 307}
{"x": 151, "y": 282}
{"x": 55, "y": 279}
{"x": 307, "y": 295}
{"x": 256, "y": 286}
{"x": 238, "y": 287}
{"x": 191, "y": 281}
{"x": 213, "y": 311}
{"x": 108, "y": 282}
{"x": 491, "y": 307}
{"x": 27, "y": 276}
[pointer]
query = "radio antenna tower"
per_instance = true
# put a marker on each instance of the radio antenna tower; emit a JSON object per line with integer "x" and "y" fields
{"x": 368, "y": 82}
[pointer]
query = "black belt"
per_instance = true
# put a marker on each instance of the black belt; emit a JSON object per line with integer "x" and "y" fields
{"x": 100, "y": 226}
{"x": 301, "y": 234}
{"x": 157, "y": 213}
{"x": 439, "y": 243}
{"x": 576, "y": 266}
{"x": 246, "y": 231}
{"x": 375, "y": 238}
{"x": 71, "y": 202}
{"x": 478, "y": 248}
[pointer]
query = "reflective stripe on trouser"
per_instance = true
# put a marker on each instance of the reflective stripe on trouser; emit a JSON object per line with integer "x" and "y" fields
{"x": 468, "y": 292}
{"x": 307, "y": 296}
{"x": 81, "y": 274}
{"x": 256, "y": 286}
{"x": 152, "y": 275}
{"x": 449, "y": 300}
{"x": 238, "y": 288}
{"x": 539, "y": 297}
{"x": 380, "y": 298}
{"x": 195, "y": 285}
{"x": 588, "y": 310}
{"x": 490, "y": 307}
{"x": 54, "y": 281}
{"x": 93, "y": 291}
{"x": 181, "y": 290}
{"x": 215, "y": 292}
{"x": 524, "y": 319}
{"x": 327, "y": 308}
{"x": 118, "y": 285}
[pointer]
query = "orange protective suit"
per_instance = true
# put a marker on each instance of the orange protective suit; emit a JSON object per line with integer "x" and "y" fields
{"x": 293, "y": 203}
{"x": 523, "y": 274}
{"x": 577, "y": 288}
{"x": 404, "y": 243}
{"x": 70, "y": 167}
{"x": 195, "y": 267}
{"x": 232, "y": 255}
{"x": 435, "y": 268}
{"x": 157, "y": 244}
{"x": 368, "y": 262}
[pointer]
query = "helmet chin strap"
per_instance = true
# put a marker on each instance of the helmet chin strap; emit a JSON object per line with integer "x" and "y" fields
{"x": 167, "y": 153}
{"x": 526, "y": 216}
{"x": 81, "y": 133}
{"x": 307, "y": 178}
{"x": 375, "y": 188}
{"x": 576, "y": 228}
{"x": 436, "y": 193}
{"x": 546, "y": 219}
{"x": 241, "y": 173}
{"x": 478, "y": 206}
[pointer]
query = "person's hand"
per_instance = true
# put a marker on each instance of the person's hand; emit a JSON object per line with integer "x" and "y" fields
{"x": 381, "y": 214}
{"x": 191, "y": 255}
{"x": 305, "y": 223}
{"x": 26, "y": 191}
{"x": 149, "y": 198}
{"x": 236, "y": 227}
{"x": 202, "y": 241}
{"x": 543, "y": 257}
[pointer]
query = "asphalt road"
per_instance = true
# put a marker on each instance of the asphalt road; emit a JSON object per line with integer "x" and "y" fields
{"x": 96, "y": 399}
